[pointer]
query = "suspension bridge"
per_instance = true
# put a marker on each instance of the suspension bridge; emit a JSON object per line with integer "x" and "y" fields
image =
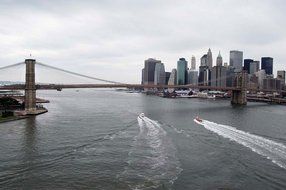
{"x": 239, "y": 89}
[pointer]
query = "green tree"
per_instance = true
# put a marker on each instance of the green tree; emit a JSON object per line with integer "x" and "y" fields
{"x": 6, "y": 103}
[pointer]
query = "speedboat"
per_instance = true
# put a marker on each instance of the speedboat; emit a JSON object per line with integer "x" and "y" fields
{"x": 198, "y": 120}
{"x": 141, "y": 115}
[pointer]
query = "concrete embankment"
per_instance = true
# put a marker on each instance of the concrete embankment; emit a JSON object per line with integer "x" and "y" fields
{"x": 22, "y": 115}
{"x": 13, "y": 118}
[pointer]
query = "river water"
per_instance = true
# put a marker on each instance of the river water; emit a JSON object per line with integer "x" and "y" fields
{"x": 94, "y": 139}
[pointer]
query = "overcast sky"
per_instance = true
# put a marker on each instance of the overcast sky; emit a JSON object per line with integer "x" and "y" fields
{"x": 111, "y": 39}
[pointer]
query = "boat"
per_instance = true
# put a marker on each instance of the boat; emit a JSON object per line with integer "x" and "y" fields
{"x": 141, "y": 115}
{"x": 198, "y": 120}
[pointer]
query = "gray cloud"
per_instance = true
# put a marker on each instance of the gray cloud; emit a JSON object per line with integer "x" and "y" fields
{"x": 111, "y": 39}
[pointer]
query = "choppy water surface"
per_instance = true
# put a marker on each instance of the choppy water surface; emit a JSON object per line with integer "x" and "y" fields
{"x": 94, "y": 139}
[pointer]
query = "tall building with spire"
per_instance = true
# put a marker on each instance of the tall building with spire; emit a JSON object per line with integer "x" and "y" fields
{"x": 219, "y": 60}
{"x": 193, "y": 63}
{"x": 209, "y": 59}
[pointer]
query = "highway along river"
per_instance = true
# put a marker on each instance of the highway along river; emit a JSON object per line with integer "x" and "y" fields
{"x": 94, "y": 139}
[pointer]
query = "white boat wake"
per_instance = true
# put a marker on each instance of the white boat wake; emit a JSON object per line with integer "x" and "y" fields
{"x": 152, "y": 161}
{"x": 274, "y": 151}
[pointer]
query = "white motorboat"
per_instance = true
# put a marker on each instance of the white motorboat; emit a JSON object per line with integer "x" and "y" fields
{"x": 198, "y": 120}
{"x": 142, "y": 115}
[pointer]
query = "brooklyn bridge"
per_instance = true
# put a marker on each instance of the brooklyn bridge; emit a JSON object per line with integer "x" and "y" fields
{"x": 238, "y": 90}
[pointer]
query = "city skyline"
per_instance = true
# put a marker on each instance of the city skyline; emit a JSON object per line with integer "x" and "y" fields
{"x": 105, "y": 39}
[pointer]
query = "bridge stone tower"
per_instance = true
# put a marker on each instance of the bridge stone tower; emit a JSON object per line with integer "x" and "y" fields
{"x": 238, "y": 96}
{"x": 30, "y": 88}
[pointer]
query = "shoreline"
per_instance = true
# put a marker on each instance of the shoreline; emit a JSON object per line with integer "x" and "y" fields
{"x": 14, "y": 118}
{"x": 19, "y": 117}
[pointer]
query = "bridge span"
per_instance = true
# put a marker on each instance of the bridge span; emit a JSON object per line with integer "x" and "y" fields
{"x": 142, "y": 86}
{"x": 238, "y": 90}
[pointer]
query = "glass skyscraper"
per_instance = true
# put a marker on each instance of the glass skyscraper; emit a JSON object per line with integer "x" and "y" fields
{"x": 182, "y": 71}
{"x": 160, "y": 75}
{"x": 149, "y": 70}
{"x": 254, "y": 67}
{"x": 267, "y": 65}
{"x": 235, "y": 60}
{"x": 246, "y": 65}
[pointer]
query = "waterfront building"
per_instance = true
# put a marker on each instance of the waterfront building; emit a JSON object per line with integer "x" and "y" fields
{"x": 204, "y": 60}
{"x": 193, "y": 63}
{"x": 281, "y": 76}
{"x": 253, "y": 67}
{"x": 261, "y": 75}
{"x": 246, "y": 65}
{"x": 267, "y": 65}
{"x": 219, "y": 60}
{"x": 167, "y": 74}
{"x": 235, "y": 60}
{"x": 209, "y": 59}
{"x": 182, "y": 71}
{"x": 218, "y": 76}
{"x": 172, "y": 80}
{"x": 204, "y": 76}
{"x": 270, "y": 83}
{"x": 193, "y": 77}
{"x": 159, "y": 74}
{"x": 149, "y": 70}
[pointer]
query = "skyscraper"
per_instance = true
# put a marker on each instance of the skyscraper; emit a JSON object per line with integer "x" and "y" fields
{"x": 230, "y": 75}
{"x": 246, "y": 65}
{"x": 182, "y": 71}
{"x": 149, "y": 70}
{"x": 253, "y": 67}
{"x": 267, "y": 65}
{"x": 168, "y": 74}
{"x": 261, "y": 76}
{"x": 159, "y": 75}
{"x": 209, "y": 59}
{"x": 219, "y": 60}
{"x": 218, "y": 76}
{"x": 204, "y": 76}
{"x": 142, "y": 79}
{"x": 235, "y": 60}
{"x": 193, "y": 63}
{"x": 172, "y": 79}
{"x": 193, "y": 77}
{"x": 204, "y": 60}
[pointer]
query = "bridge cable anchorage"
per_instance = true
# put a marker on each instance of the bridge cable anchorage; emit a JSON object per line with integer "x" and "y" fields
{"x": 13, "y": 65}
{"x": 78, "y": 74}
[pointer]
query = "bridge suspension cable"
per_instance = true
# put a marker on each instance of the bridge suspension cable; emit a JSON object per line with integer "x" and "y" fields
{"x": 78, "y": 74}
{"x": 9, "y": 66}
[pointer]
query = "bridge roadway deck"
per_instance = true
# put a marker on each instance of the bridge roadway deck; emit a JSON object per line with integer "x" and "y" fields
{"x": 119, "y": 85}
